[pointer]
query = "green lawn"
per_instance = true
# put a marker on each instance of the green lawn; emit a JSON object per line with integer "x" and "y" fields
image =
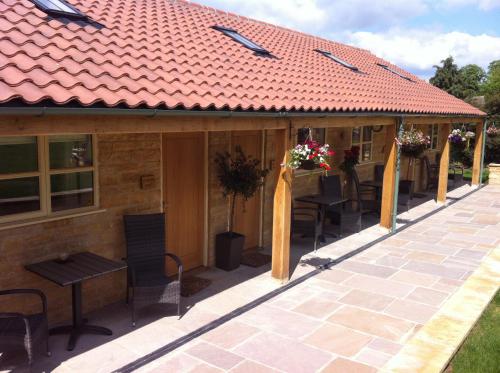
{"x": 468, "y": 174}
{"x": 480, "y": 352}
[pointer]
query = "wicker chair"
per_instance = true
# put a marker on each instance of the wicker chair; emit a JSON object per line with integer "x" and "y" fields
{"x": 306, "y": 221}
{"x": 146, "y": 253}
{"x": 17, "y": 329}
{"x": 432, "y": 174}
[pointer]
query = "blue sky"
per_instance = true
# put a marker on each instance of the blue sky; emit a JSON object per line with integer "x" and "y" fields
{"x": 414, "y": 34}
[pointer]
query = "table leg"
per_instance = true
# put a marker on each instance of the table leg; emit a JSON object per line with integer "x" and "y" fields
{"x": 79, "y": 325}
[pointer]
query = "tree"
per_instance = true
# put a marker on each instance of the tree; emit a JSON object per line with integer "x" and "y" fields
{"x": 448, "y": 78}
{"x": 471, "y": 79}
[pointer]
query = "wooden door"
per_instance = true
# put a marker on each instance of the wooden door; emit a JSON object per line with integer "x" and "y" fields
{"x": 247, "y": 214}
{"x": 183, "y": 193}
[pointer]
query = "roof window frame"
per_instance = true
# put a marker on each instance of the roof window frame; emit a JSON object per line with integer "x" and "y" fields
{"x": 243, "y": 40}
{"x": 338, "y": 60}
{"x": 387, "y": 68}
{"x": 75, "y": 14}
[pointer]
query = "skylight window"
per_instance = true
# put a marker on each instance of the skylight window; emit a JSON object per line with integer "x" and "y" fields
{"x": 59, "y": 8}
{"x": 338, "y": 60}
{"x": 394, "y": 71}
{"x": 233, "y": 34}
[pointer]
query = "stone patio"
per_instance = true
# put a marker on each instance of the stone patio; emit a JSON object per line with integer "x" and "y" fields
{"x": 363, "y": 314}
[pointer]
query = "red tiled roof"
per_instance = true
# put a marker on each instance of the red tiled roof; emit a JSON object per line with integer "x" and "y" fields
{"x": 163, "y": 54}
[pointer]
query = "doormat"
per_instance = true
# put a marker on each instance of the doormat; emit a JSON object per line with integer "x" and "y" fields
{"x": 255, "y": 259}
{"x": 192, "y": 285}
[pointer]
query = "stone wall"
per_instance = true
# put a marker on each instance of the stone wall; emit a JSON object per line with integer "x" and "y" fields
{"x": 122, "y": 161}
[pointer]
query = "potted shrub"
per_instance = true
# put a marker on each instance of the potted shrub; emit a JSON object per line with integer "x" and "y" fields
{"x": 241, "y": 176}
{"x": 310, "y": 155}
{"x": 351, "y": 159}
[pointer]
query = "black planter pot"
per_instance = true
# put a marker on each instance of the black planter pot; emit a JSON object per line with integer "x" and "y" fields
{"x": 228, "y": 249}
{"x": 308, "y": 165}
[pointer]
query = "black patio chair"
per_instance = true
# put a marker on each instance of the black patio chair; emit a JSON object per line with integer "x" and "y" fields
{"x": 367, "y": 205}
{"x": 21, "y": 330}
{"x": 146, "y": 253}
{"x": 347, "y": 214}
{"x": 405, "y": 193}
{"x": 432, "y": 174}
{"x": 306, "y": 221}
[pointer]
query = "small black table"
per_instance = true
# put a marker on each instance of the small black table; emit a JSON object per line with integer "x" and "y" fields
{"x": 323, "y": 202}
{"x": 73, "y": 271}
{"x": 375, "y": 184}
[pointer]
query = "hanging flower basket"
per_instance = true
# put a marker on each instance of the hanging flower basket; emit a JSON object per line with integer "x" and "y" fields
{"x": 492, "y": 131}
{"x": 413, "y": 143}
{"x": 457, "y": 137}
{"x": 310, "y": 155}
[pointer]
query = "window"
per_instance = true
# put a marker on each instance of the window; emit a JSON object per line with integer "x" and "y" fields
{"x": 317, "y": 134}
{"x": 242, "y": 40}
{"x": 385, "y": 67}
{"x": 59, "y": 8}
{"x": 45, "y": 175}
{"x": 363, "y": 137}
{"x": 338, "y": 60}
{"x": 433, "y": 134}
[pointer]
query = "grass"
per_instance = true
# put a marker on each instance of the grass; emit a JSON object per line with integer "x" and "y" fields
{"x": 480, "y": 352}
{"x": 468, "y": 174}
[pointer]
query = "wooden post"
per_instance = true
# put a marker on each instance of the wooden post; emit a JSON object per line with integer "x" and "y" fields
{"x": 282, "y": 209}
{"x": 444, "y": 163}
{"x": 478, "y": 154}
{"x": 389, "y": 178}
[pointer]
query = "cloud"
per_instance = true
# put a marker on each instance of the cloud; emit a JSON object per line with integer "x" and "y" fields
{"x": 317, "y": 16}
{"x": 419, "y": 50}
{"x": 483, "y": 5}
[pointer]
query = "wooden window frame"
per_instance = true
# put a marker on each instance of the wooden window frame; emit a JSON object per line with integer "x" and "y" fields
{"x": 434, "y": 136}
{"x": 363, "y": 141}
{"x": 44, "y": 174}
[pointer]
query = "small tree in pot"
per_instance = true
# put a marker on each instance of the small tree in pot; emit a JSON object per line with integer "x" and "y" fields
{"x": 239, "y": 175}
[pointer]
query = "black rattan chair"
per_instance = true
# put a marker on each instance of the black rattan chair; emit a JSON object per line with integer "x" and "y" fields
{"x": 432, "y": 174}
{"x": 350, "y": 212}
{"x": 306, "y": 221}
{"x": 21, "y": 330}
{"x": 405, "y": 194}
{"x": 146, "y": 253}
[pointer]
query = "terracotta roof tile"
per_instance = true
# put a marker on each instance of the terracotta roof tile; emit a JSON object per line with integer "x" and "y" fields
{"x": 164, "y": 54}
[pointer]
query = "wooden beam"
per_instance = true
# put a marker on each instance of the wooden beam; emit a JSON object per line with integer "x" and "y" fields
{"x": 388, "y": 185}
{"x": 341, "y": 121}
{"x": 22, "y": 126}
{"x": 478, "y": 155}
{"x": 444, "y": 163}
{"x": 282, "y": 209}
{"x": 441, "y": 120}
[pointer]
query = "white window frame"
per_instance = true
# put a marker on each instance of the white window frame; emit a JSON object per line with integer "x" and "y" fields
{"x": 363, "y": 141}
{"x": 44, "y": 174}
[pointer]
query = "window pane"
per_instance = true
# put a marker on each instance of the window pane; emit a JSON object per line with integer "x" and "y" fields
{"x": 435, "y": 129}
{"x": 319, "y": 135}
{"x": 356, "y": 135}
{"x": 70, "y": 151}
{"x": 367, "y": 133}
{"x": 72, "y": 191}
{"x": 19, "y": 195}
{"x": 18, "y": 154}
{"x": 366, "y": 152}
{"x": 302, "y": 134}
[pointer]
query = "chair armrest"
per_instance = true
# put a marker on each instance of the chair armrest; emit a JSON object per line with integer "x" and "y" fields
{"x": 40, "y": 294}
{"x": 11, "y": 315}
{"x": 176, "y": 259}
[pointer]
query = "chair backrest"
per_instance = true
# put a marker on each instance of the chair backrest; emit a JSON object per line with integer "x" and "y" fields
{"x": 379, "y": 172}
{"x": 145, "y": 236}
{"x": 406, "y": 187}
{"x": 427, "y": 165}
{"x": 331, "y": 186}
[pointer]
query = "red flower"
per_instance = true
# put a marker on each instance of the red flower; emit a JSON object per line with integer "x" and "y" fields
{"x": 331, "y": 152}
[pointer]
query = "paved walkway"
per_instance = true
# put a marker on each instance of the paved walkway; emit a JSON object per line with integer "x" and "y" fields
{"x": 361, "y": 315}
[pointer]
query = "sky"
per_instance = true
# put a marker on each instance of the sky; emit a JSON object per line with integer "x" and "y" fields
{"x": 413, "y": 34}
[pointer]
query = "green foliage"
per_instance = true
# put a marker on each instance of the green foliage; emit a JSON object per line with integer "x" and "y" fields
{"x": 448, "y": 78}
{"x": 471, "y": 78}
{"x": 480, "y": 352}
{"x": 239, "y": 175}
